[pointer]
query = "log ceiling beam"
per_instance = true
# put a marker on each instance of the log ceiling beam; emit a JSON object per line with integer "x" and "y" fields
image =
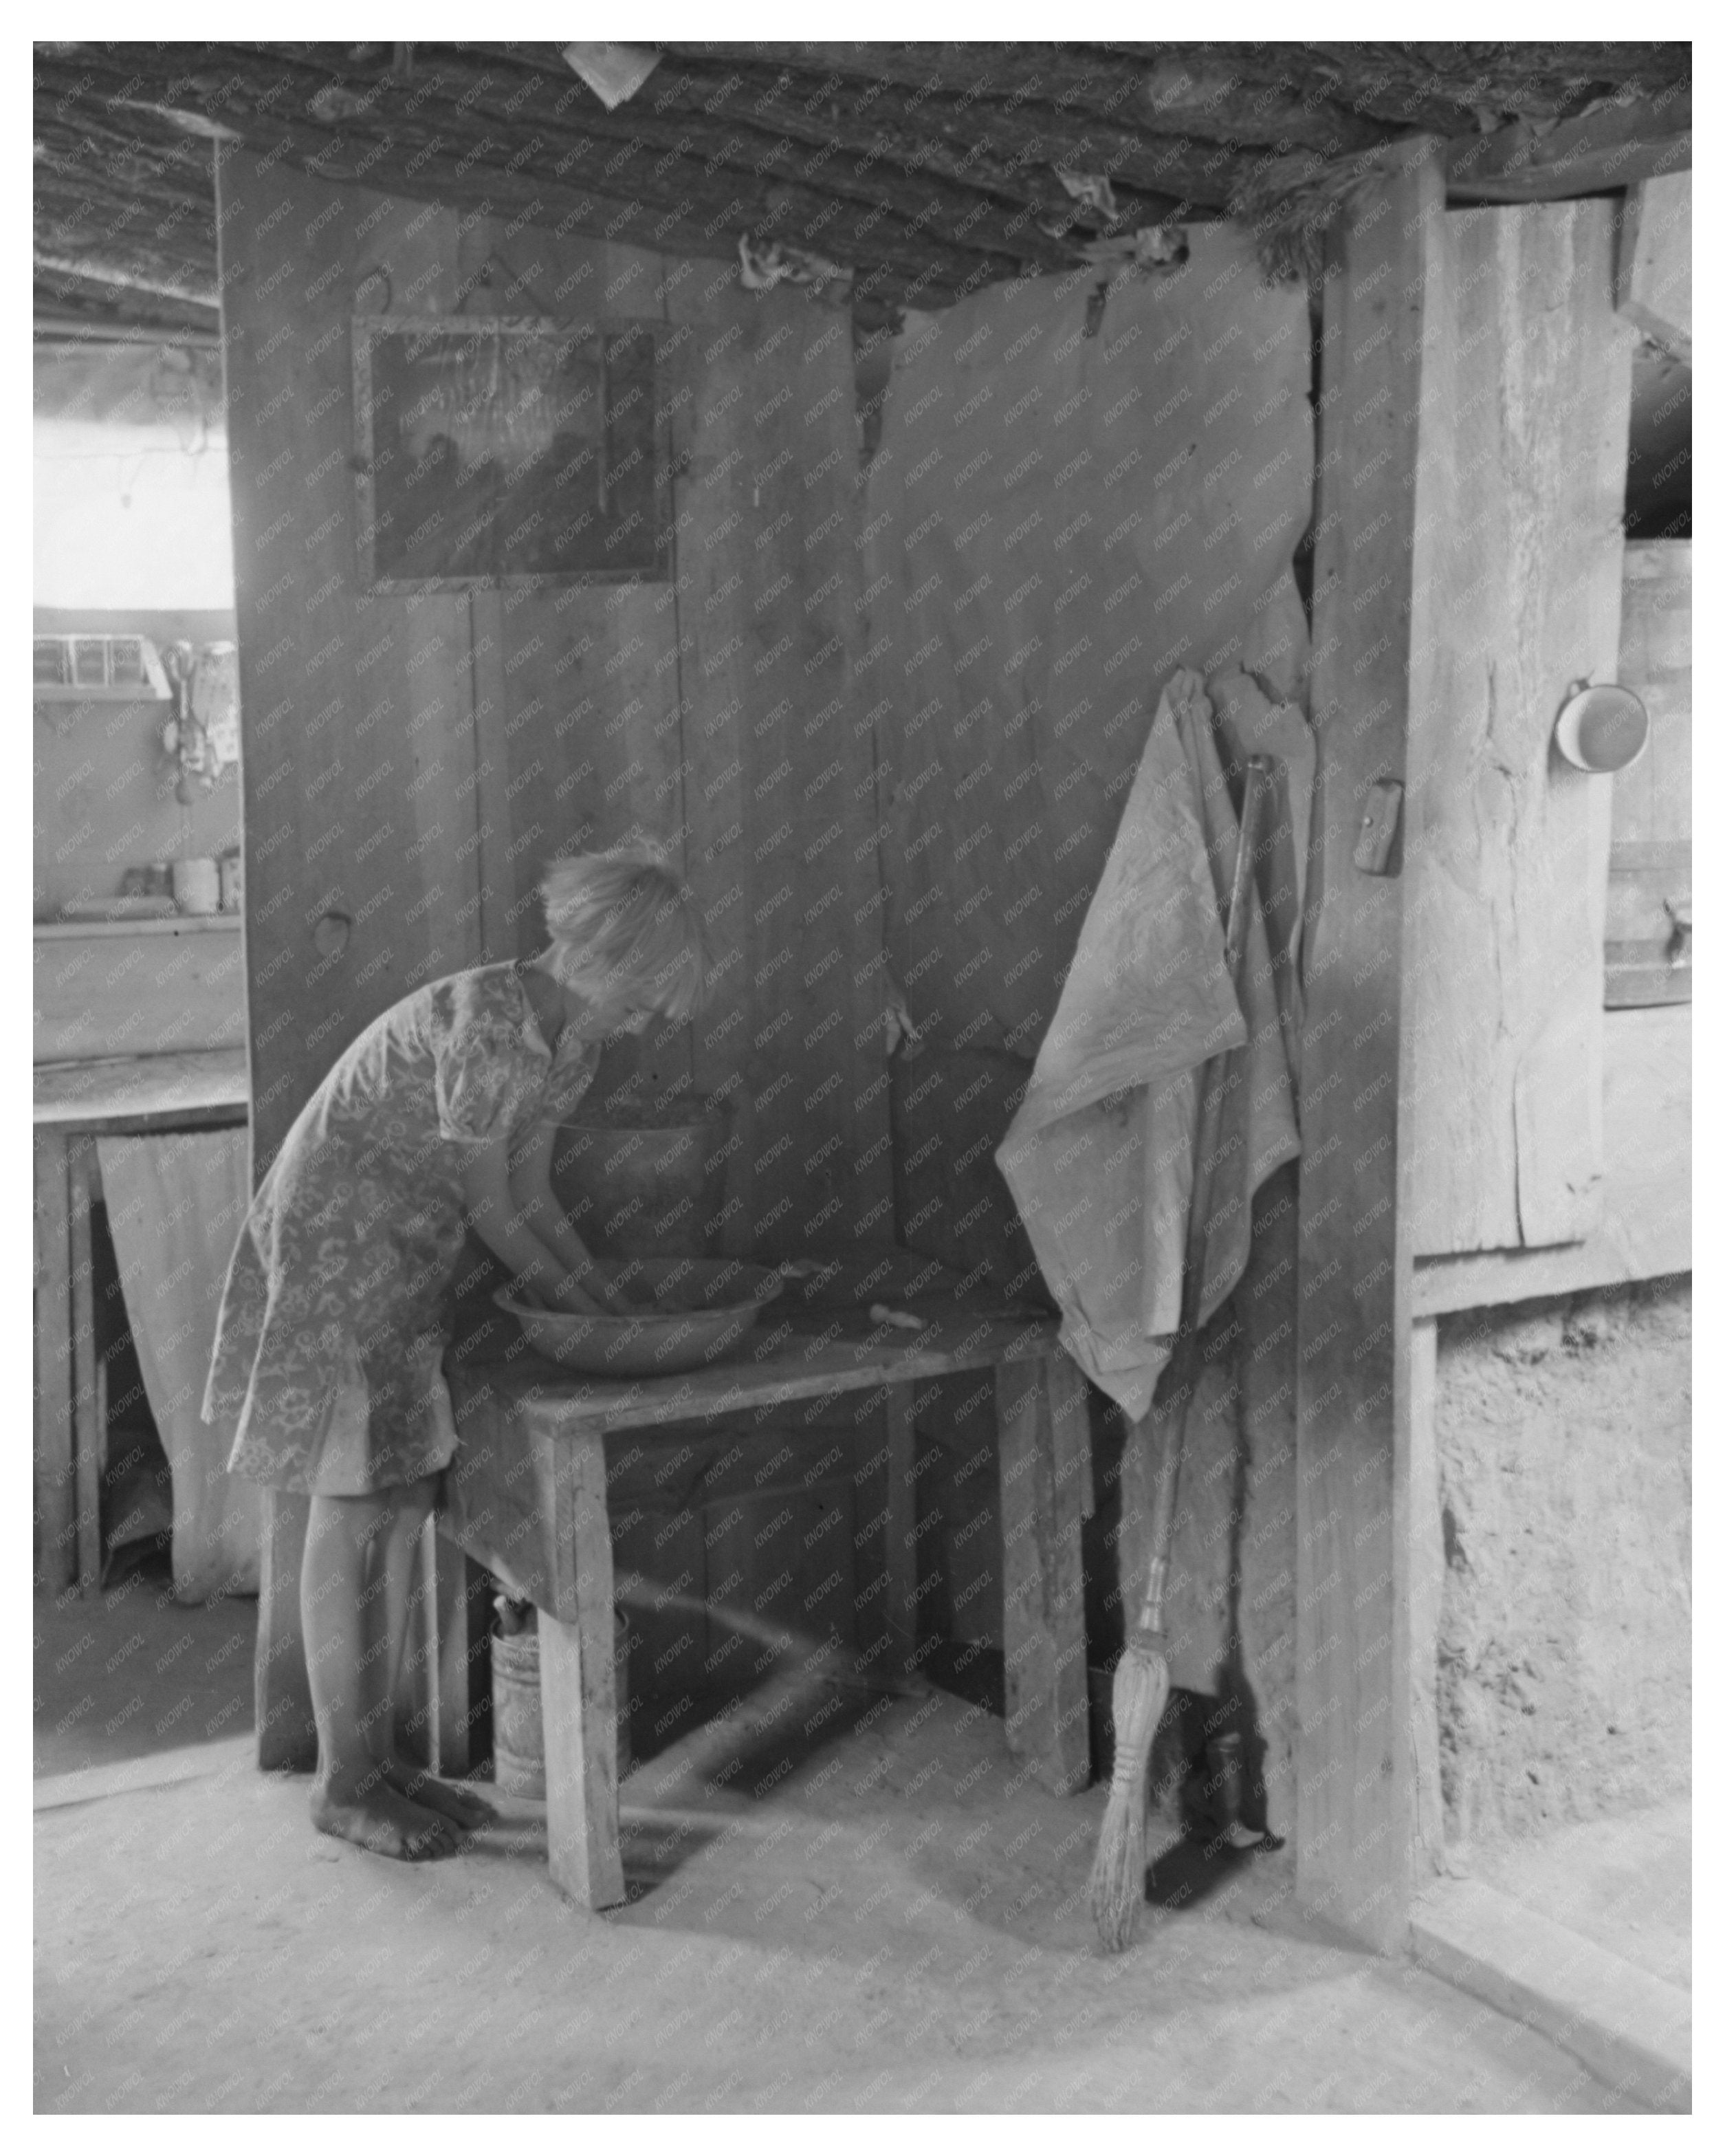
{"x": 659, "y": 204}
{"x": 987, "y": 154}
{"x": 924, "y": 169}
{"x": 1065, "y": 90}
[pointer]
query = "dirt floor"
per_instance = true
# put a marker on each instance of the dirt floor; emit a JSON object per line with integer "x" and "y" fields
{"x": 865, "y": 1906}
{"x": 135, "y": 1672}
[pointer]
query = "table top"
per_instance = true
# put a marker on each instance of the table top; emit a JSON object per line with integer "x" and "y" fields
{"x": 195, "y": 1086}
{"x": 805, "y": 1355}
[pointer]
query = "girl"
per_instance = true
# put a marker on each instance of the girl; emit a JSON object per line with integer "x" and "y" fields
{"x": 329, "y": 1346}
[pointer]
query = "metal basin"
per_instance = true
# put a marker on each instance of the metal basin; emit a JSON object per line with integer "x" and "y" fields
{"x": 695, "y": 1311}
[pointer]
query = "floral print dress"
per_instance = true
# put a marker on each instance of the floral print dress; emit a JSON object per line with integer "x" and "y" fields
{"x": 329, "y": 1343}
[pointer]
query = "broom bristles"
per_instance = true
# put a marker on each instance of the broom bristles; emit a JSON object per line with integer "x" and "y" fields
{"x": 1117, "y": 1877}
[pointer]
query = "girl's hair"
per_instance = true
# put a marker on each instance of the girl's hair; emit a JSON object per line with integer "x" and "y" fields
{"x": 622, "y": 922}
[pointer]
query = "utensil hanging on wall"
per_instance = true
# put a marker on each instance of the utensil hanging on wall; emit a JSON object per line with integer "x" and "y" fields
{"x": 1601, "y": 727}
{"x": 177, "y": 662}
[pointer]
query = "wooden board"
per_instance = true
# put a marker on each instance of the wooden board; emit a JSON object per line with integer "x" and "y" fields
{"x": 56, "y": 1461}
{"x": 1505, "y": 846}
{"x": 578, "y": 1694}
{"x": 194, "y": 1086}
{"x": 575, "y": 715}
{"x": 1379, "y": 452}
{"x": 357, "y": 710}
{"x": 844, "y": 1357}
{"x": 779, "y": 783}
{"x": 89, "y": 1436}
{"x": 1426, "y": 1561}
{"x": 287, "y": 1730}
{"x": 901, "y": 1535}
{"x": 1655, "y": 257}
{"x": 951, "y": 1110}
{"x": 459, "y": 1620}
{"x": 136, "y": 988}
{"x": 1044, "y": 1453}
{"x": 1644, "y": 1229}
{"x": 1062, "y": 509}
{"x": 1652, "y": 814}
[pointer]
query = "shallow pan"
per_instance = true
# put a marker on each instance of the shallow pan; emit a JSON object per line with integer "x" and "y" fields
{"x": 695, "y": 1311}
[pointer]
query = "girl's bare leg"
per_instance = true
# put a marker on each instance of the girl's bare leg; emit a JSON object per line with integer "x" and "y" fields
{"x": 386, "y": 1641}
{"x": 352, "y": 1797}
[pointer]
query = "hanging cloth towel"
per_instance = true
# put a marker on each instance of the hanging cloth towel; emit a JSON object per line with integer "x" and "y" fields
{"x": 1099, "y": 1157}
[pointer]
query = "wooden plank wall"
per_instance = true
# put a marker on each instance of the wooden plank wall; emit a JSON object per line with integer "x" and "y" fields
{"x": 1056, "y": 519}
{"x": 1655, "y": 259}
{"x": 1507, "y": 846}
{"x": 1065, "y": 506}
{"x": 1644, "y": 1227}
{"x": 1652, "y": 862}
{"x": 1473, "y": 448}
{"x": 412, "y": 762}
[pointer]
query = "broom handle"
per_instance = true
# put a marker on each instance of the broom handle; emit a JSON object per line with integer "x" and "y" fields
{"x": 1258, "y": 780}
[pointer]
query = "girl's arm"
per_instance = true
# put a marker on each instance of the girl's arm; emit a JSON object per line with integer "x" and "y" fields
{"x": 500, "y": 1224}
{"x": 536, "y": 1203}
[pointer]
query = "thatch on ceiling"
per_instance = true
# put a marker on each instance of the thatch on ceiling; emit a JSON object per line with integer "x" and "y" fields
{"x": 921, "y": 170}
{"x": 124, "y": 215}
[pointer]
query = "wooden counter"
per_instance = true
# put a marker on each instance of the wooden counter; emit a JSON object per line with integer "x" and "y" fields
{"x": 527, "y": 1498}
{"x": 106, "y": 989}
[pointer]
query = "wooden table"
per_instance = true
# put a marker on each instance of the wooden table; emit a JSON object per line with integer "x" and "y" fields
{"x": 527, "y": 1499}
{"x": 74, "y": 1103}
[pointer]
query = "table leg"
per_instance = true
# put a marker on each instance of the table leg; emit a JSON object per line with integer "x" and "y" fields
{"x": 577, "y": 1686}
{"x": 444, "y": 1672}
{"x": 56, "y": 1462}
{"x": 463, "y": 1671}
{"x": 416, "y": 1688}
{"x": 1044, "y": 1482}
{"x": 901, "y": 1531}
{"x": 89, "y": 1438}
{"x": 287, "y": 1732}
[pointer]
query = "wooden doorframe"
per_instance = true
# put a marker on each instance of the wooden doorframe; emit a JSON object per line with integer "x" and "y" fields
{"x": 1359, "y": 1521}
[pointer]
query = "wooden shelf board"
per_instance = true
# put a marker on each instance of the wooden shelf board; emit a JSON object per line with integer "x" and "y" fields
{"x": 144, "y": 1092}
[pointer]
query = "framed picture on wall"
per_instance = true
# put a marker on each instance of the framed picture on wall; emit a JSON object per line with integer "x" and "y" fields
{"x": 494, "y": 451}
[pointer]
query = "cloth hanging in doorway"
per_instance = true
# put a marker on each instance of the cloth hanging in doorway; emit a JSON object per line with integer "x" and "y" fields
{"x": 1099, "y": 1157}
{"x": 175, "y": 1202}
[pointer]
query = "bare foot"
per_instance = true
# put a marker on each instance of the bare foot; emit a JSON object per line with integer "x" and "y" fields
{"x": 382, "y": 1820}
{"x": 467, "y": 1810}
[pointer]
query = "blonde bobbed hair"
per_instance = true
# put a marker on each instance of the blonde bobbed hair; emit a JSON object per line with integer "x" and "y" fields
{"x": 621, "y": 923}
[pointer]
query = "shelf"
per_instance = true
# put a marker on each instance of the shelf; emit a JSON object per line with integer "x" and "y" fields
{"x": 144, "y": 1092}
{"x": 100, "y": 692}
{"x": 177, "y": 924}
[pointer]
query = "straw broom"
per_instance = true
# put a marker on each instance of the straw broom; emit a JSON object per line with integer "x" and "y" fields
{"x": 1117, "y": 1877}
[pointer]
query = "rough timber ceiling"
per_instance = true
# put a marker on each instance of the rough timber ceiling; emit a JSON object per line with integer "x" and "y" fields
{"x": 923, "y": 169}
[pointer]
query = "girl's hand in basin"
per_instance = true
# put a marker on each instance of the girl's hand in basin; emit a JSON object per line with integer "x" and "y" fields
{"x": 559, "y": 1292}
{"x": 593, "y": 1292}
